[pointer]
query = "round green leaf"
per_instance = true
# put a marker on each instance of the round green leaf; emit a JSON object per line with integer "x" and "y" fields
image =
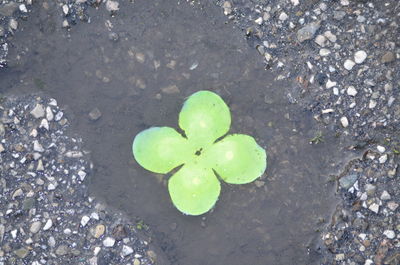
{"x": 160, "y": 149}
{"x": 204, "y": 118}
{"x": 237, "y": 158}
{"x": 194, "y": 189}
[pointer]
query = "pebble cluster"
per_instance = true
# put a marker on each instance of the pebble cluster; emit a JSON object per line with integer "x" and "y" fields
{"x": 46, "y": 214}
{"x": 365, "y": 228}
{"x": 343, "y": 57}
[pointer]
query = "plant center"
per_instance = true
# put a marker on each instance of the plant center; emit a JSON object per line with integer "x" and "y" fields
{"x": 198, "y": 152}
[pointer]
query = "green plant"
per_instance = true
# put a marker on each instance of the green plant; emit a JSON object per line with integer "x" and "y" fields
{"x": 202, "y": 152}
{"x": 318, "y": 138}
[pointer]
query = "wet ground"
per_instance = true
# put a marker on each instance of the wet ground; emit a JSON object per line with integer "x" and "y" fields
{"x": 137, "y": 68}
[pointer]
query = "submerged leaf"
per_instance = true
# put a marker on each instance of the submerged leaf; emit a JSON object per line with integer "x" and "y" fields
{"x": 204, "y": 118}
{"x": 194, "y": 189}
{"x": 237, "y": 158}
{"x": 160, "y": 149}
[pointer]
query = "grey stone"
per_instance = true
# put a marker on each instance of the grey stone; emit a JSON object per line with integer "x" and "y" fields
{"x": 62, "y": 250}
{"x": 388, "y": 57}
{"x": 8, "y": 9}
{"x": 308, "y": 31}
{"x": 126, "y": 250}
{"x": 347, "y": 182}
{"x": 95, "y": 114}
{"x": 21, "y": 253}
{"x": 227, "y": 8}
{"x": 339, "y": 15}
{"x": 38, "y": 111}
{"x": 370, "y": 189}
{"x": 2, "y": 231}
{"x": 170, "y": 89}
{"x": 35, "y": 227}
{"x": 385, "y": 196}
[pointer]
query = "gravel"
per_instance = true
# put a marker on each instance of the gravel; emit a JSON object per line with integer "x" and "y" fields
{"x": 46, "y": 214}
{"x": 342, "y": 59}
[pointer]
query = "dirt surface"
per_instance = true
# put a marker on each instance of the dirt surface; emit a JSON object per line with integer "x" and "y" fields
{"x": 132, "y": 68}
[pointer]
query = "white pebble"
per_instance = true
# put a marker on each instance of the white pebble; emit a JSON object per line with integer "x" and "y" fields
{"x": 112, "y": 6}
{"x": 85, "y": 219}
{"x": 108, "y": 242}
{"x": 344, "y": 2}
{"x": 37, "y": 146}
{"x": 381, "y": 149}
{"x": 283, "y": 16}
{"x": 360, "y": 56}
{"x": 349, "y": 64}
{"x": 259, "y": 21}
{"x": 48, "y": 225}
{"x": 330, "y": 84}
{"x": 320, "y": 40}
{"x": 126, "y": 250}
{"x": 295, "y": 2}
{"x": 22, "y": 8}
{"x": 330, "y": 36}
{"x": 49, "y": 114}
{"x": 324, "y": 52}
{"x": 65, "y": 9}
{"x": 368, "y": 262}
{"x": 383, "y": 159}
{"x": 385, "y": 196}
{"x": 82, "y": 175}
{"x": 35, "y": 227}
{"x": 372, "y": 104}
{"x": 374, "y": 207}
{"x": 389, "y": 234}
{"x": 44, "y": 124}
{"x": 344, "y": 121}
{"x": 351, "y": 91}
{"x": 38, "y": 111}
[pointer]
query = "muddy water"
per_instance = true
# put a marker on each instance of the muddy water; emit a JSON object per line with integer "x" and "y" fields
{"x": 185, "y": 47}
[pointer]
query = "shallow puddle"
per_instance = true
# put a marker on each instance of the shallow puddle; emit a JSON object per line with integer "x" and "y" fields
{"x": 164, "y": 52}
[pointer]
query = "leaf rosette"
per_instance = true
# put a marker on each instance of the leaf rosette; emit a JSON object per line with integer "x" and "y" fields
{"x": 202, "y": 153}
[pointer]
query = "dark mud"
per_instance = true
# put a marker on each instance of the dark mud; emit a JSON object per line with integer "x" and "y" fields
{"x": 122, "y": 65}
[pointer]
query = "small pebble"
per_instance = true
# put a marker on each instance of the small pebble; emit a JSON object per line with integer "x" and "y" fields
{"x": 126, "y": 250}
{"x": 38, "y": 111}
{"x": 383, "y": 159}
{"x": 374, "y": 207}
{"x": 389, "y": 234}
{"x": 381, "y": 149}
{"x": 108, "y": 242}
{"x": 385, "y": 196}
{"x": 360, "y": 56}
{"x": 283, "y": 16}
{"x": 349, "y": 64}
{"x": 344, "y": 121}
{"x": 112, "y": 6}
{"x": 351, "y": 91}
{"x": 48, "y": 225}
{"x": 35, "y": 227}
{"x": 95, "y": 114}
